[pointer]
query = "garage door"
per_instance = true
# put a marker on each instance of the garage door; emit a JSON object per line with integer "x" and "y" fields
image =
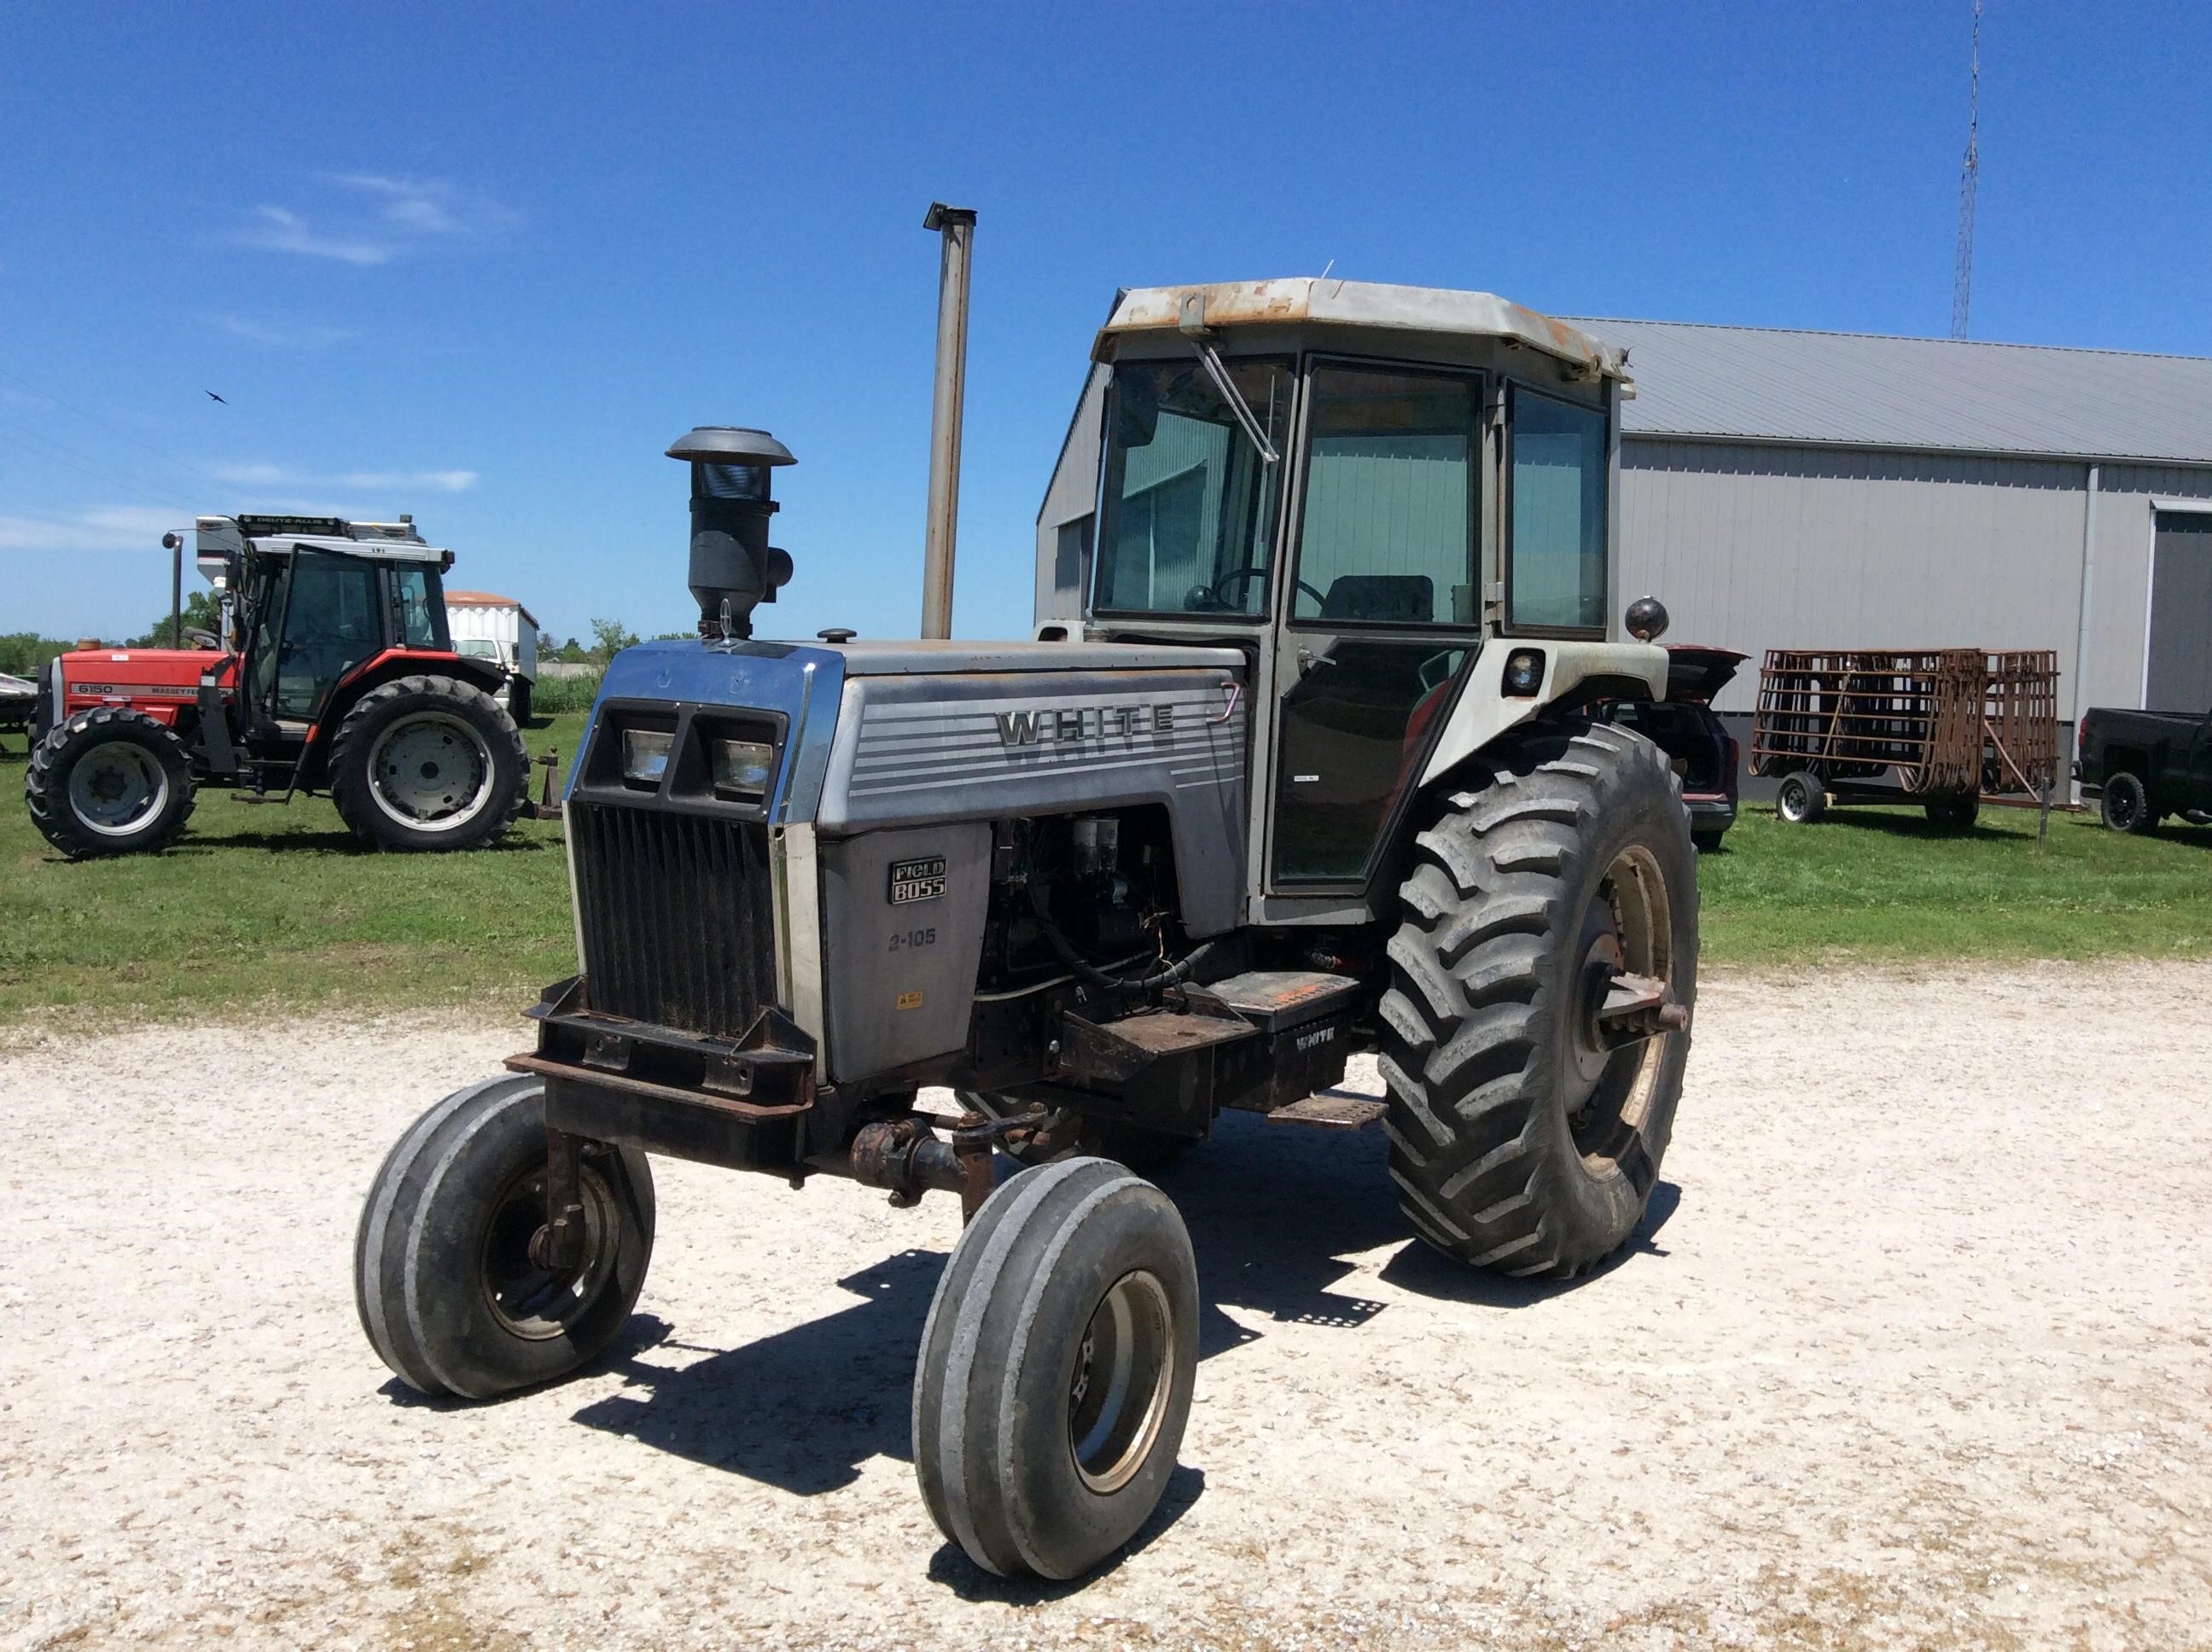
{"x": 2178, "y": 675}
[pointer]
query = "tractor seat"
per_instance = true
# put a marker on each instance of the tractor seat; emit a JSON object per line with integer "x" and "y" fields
{"x": 1382, "y": 598}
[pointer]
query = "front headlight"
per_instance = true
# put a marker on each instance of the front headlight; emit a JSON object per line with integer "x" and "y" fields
{"x": 741, "y": 768}
{"x": 645, "y": 755}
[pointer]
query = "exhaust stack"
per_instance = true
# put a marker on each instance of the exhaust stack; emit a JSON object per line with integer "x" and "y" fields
{"x": 957, "y": 227}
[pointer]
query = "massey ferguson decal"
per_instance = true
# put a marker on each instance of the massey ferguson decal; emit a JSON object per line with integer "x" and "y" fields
{"x": 1084, "y": 723}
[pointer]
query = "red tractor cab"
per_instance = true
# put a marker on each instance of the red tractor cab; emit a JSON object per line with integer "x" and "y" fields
{"x": 334, "y": 673}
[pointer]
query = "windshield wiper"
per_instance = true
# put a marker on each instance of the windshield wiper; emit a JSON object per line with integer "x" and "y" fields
{"x": 1222, "y": 382}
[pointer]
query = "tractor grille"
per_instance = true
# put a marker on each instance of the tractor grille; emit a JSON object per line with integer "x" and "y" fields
{"x": 677, "y": 916}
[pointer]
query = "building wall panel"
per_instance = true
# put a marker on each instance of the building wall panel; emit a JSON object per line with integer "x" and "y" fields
{"x": 1753, "y": 547}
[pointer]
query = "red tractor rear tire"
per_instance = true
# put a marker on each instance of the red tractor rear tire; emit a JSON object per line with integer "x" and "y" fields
{"x": 428, "y": 763}
{"x": 109, "y": 781}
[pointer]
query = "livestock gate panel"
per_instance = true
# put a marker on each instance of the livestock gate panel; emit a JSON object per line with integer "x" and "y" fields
{"x": 1951, "y": 722}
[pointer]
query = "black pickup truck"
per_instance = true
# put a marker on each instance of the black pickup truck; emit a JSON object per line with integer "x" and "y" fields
{"x": 2146, "y": 765}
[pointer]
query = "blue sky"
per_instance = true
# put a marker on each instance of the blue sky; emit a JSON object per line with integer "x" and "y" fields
{"x": 484, "y": 264}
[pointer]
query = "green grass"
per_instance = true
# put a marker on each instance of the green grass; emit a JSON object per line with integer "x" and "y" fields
{"x": 1882, "y": 885}
{"x": 274, "y": 909}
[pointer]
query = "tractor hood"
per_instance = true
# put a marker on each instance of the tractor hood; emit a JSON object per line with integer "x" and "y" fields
{"x": 1022, "y": 706}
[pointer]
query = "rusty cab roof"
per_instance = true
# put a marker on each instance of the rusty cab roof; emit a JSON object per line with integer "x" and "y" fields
{"x": 1364, "y": 305}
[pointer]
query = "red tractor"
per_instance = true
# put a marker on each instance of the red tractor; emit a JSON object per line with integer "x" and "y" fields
{"x": 334, "y": 673}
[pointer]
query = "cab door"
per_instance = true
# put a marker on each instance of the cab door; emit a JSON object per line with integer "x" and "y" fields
{"x": 332, "y": 622}
{"x": 1384, "y": 614}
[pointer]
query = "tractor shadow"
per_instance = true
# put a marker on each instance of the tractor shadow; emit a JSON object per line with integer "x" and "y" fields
{"x": 1272, "y": 1210}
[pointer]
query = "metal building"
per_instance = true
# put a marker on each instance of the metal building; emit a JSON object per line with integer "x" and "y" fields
{"x": 1781, "y": 488}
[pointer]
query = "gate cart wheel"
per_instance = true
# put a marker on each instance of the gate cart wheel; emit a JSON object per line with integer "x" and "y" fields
{"x": 1953, "y": 814}
{"x": 109, "y": 781}
{"x": 1801, "y": 798}
{"x": 1056, "y": 1369}
{"x": 2126, "y": 805}
{"x": 428, "y": 763}
{"x": 1536, "y": 1025}
{"x": 446, "y": 1271}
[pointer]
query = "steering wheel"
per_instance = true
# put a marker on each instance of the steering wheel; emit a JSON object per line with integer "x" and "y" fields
{"x": 1213, "y": 598}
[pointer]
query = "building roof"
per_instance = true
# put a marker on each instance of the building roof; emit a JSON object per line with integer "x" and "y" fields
{"x": 1310, "y": 299}
{"x": 1860, "y": 390}
{"x": 479, "y": 599}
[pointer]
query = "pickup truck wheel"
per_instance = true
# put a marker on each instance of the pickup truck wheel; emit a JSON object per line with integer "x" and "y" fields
{"x": 1801, "y": 798}
{"x": 518, "y": 700}
{"x": 1525, "y": 1136}
{"x": 447, "y": 1279}
{"x": 109, "y": 781}
{"x": 2126, "y": 806}
{"x": 428, "y": 763}
{"x": 1056, "y": 1369}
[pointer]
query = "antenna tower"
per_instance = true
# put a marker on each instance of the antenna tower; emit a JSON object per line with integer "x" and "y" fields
{"x": 1962, "y": 282}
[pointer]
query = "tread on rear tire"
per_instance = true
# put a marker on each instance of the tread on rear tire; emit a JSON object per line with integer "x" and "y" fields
{"x": 1516, "y": 1142}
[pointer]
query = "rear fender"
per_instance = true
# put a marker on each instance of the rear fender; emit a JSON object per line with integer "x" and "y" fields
{"x": 1576, "y": 674}
{"x": 374, "y": 673}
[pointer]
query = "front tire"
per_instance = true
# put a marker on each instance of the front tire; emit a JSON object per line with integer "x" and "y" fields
{"x": 109, "y": 781}
{"x": 445, "y": 1278}
{"x": 1056, "y": 1369}
{"x": 1518, "y": 1141}
{"x": 2125, "y": 806}
{"x": 428, "y": 763}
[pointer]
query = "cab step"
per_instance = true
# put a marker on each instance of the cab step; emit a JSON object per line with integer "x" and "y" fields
{"x": 1330, "y": 1112}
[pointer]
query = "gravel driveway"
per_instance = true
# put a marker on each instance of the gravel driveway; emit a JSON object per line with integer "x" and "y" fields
{"x": 1914, "y": 1350}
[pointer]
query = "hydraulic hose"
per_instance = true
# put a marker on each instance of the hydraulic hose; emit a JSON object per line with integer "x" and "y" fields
{"x": 1167, "y": 976}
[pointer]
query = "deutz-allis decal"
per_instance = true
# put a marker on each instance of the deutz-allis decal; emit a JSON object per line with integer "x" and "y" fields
{"x": 1084, "y": 723}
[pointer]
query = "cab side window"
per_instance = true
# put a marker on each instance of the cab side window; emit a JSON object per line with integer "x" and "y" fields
{"x": 1555, "y": 560}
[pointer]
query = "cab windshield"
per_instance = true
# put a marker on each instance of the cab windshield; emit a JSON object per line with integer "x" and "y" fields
{"x": 1190, "y": 504}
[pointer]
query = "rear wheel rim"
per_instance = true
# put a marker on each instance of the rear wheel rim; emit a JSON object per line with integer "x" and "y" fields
{"x": 430, "y": 773}
{"x": 1117, "y": 1394}
{"x": 533, "y": 1302}
{"x": 116, "y": 787}
{"x": 1628, "y": 926}
{"x": 2124, "y": 806}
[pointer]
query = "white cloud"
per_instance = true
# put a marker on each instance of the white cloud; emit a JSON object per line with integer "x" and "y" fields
{"x": 377, "y": 218}
{"x": 278, "y": 475}
{"x": 279, "y": 334}
{"x": 116, "y": 527}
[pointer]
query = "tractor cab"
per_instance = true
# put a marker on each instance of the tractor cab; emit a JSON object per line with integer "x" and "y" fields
{"x": 318, "y": 600}
{"x": 1380, "y": 495}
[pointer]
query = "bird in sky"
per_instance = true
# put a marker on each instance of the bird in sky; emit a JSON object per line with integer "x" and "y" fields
{"x": 212, "y": 397}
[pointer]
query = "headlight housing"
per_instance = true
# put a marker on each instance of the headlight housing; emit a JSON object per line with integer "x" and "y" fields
{"x": 741, "y": 768}
{"x": 645, "y": 755}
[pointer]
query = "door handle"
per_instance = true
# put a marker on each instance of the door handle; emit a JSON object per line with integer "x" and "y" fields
{"x": 1308, "y": 660}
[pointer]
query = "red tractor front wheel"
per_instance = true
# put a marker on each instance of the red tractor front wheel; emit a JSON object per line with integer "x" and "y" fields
{"x": 109, "y": 781}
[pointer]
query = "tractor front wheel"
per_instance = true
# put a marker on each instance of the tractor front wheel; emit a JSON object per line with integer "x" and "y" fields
{"x": 449, "y": 1275}
{"x": 428, "y": 763}
{"x": 109, "y": 781}
{"x": 1529, "y": 1104}
{"x": 1056, "y": 1369}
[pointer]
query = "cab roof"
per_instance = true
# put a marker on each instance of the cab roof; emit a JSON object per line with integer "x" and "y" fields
{"x": 1314, "y": 299}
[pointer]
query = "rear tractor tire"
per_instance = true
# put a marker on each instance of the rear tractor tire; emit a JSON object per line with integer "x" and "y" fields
{"x": 1801, "y": 798}
{"x": 428, "y": 762}
{"x": 446, "y": 1275}
{"x": 109, "y": 781}
{"x": 1519, "y": 1140}
{"x": 1056, "y": 1369}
